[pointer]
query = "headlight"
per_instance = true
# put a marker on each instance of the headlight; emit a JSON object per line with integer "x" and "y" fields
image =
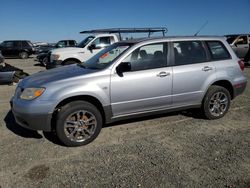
{"x": 55, "y": 57}
{"x": 31, "y": 93}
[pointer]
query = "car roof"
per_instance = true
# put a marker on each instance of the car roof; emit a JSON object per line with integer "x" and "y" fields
{"x": 233, "y": 35}
{"x": 152, "y": 39}
{"x": 16, "y": 40}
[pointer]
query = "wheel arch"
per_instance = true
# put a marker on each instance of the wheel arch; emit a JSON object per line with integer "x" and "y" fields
{"x": 87, "y": 98}
{"x": 71, "y": 59}
{"x": 227, "y": 85}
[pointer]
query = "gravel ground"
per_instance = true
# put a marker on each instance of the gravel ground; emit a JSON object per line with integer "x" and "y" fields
{"x": 170, "y": 150}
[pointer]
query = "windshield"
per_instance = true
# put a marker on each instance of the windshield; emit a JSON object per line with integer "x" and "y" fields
{"x": 105, "y": 57}
{"x": 85, "y": 42}
{"x": 230, "y": 39}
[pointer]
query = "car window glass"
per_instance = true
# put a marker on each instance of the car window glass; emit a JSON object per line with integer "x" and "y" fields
{"x": 189, "y": 52}
{"x": 102, "y": 42}
{"x": 106, "y": 56}
{"x": 62, "y": 44}
{"x": 25, "y": 44}
{"x": 9, "y": 44}
{"x": 218, "y": 50}
{"x": 242, "y": 40}
{"x": 72, "y": 43}
{"x": 231, "y": 39}
{"x": 147, "y": 57}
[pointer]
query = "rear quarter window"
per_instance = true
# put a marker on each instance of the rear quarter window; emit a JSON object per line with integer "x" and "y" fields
{"x": 218, "y": 51}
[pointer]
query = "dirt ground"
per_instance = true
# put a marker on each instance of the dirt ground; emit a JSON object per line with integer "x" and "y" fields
{"x": 171, "y": 150}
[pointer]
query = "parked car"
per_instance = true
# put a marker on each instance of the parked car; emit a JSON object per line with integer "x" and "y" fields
{"x": 1, "y": 58}
{"x": 93, "y": 44}
{"x": 42, "y": 51}
{"x": 17, "y": 48}
{"x": 179, "y": 72}
{"x": 8, "y": 73}
{"x": 240, "y": 44}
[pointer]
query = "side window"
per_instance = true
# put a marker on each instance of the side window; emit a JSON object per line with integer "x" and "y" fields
{"x": 218, "y": 50}
{"x": 189, "y": 52}
{"x": 242, "y": 40}
{"x": 9, "y": 44}
{"x": 61, "y": 44}
{"x": 18, "y": 44}
{"x": 72, "y": 43}
{"x": 102, "y": 42}
{"x": 148, "y": 57}
{"x": 25, "y": 44}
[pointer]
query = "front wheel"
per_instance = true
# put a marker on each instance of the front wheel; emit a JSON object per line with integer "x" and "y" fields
{"x": 78, "y": 123}
{"x": 216, "y": 102}
{"x": 23, "y": 55}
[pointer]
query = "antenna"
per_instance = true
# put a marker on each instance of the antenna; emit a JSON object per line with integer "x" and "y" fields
{"x": 201, "y": 28}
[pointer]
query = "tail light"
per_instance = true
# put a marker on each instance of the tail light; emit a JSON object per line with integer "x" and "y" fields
{"x": 241, "y": 64}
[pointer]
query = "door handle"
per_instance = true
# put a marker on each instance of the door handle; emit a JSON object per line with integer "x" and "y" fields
{"x": 207, "y": 68}
{"x": 163, "y": 74}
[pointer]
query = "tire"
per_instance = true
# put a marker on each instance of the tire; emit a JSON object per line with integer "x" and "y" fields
{"x": 23, "y": 55}
{"x": 71, "y": 123}
{"x": 216, "y": 102}
{"x": 44, "y": 61}
{"x": 69, "y": 62}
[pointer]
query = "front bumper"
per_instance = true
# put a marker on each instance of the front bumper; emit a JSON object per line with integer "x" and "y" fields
{"x": 28, "y": 116}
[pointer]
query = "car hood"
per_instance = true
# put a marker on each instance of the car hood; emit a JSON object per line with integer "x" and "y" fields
{"x": 66, "y": 50}
{"x": 53, "y": 75}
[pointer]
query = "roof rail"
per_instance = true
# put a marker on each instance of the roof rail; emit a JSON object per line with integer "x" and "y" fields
{"x": 151, "y": 30}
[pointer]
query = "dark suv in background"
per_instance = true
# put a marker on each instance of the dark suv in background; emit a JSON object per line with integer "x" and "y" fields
{"x": 17, "y": 48}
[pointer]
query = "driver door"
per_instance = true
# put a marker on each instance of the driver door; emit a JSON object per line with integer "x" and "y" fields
{"x": 147, "y": 86}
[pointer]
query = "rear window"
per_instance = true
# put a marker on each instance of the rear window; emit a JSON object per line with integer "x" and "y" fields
{"x": 218, "y": 50}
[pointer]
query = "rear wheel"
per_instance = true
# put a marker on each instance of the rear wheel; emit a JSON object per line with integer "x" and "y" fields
{"x": 23, "y": 55}
{"x": 78, "y": 123}
{"x": 216, "y": 102}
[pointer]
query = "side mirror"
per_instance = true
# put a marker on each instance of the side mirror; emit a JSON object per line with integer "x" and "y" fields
{"x": 123, "y": 67}
{"x": 91, "y": 47}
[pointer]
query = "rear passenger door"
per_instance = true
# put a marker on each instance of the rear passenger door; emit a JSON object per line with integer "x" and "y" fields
{"x": 191, "y": 72}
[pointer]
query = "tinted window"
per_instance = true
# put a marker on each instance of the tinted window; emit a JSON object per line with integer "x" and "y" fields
{"x": 148, "y": 57}
{"x": 8, "y": 44}
{"x": 25, "y": 44}
{"x": 72, "y": 43}
{"x": 189, "y": 52}
{"x": 218, "y": 50}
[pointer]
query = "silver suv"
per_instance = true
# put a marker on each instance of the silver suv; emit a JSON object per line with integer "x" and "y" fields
{"x": 130, "y": 79}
